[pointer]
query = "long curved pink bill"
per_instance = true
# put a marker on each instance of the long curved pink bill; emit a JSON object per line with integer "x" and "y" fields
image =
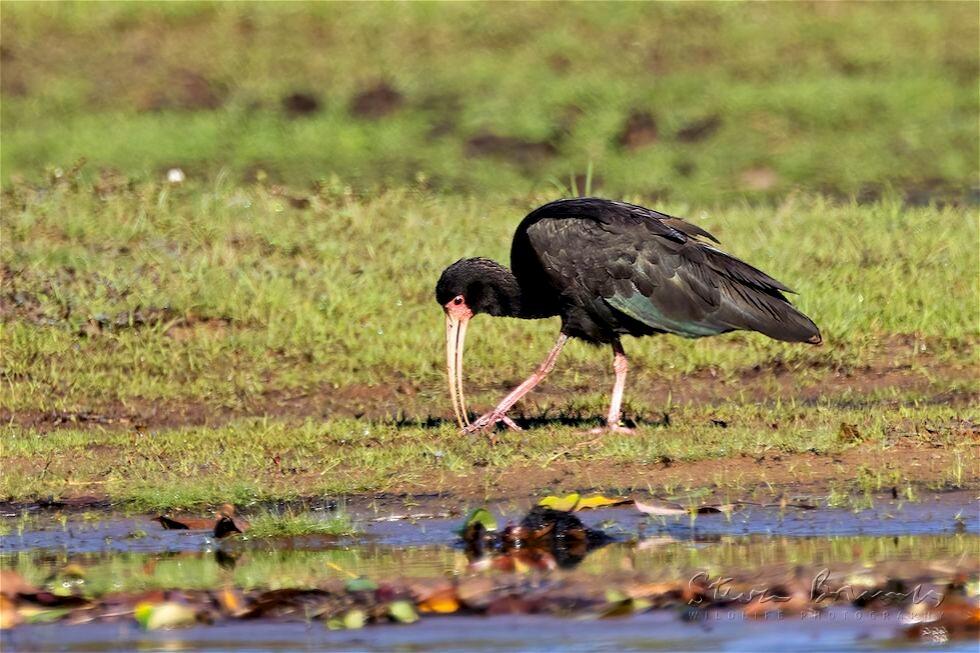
{"x": 455, "y": 339}
{"x": 460, "y": 341}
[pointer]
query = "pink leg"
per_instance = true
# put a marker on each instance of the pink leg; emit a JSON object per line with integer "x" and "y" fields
{"x": 620, "y": 366}
{"x": 499, "y": 414}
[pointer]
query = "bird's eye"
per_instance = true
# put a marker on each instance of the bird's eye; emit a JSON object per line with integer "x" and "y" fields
{"x": 458, "y": 300}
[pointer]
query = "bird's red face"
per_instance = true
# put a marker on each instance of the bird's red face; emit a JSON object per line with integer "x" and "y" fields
{"x": 458, "y": 315}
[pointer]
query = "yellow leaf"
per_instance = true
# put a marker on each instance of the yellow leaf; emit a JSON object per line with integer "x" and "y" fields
{"x": 599, "y": 501}
{"x": 442, "y": 602}
{"x": 564, "y": 504}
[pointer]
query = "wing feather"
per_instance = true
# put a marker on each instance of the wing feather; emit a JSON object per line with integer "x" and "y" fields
{"x": 653, "y": 269}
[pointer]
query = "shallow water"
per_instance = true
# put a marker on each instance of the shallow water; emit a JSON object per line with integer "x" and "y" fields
{"x": 125, "y": 553}
{"x": 840, "y": 632}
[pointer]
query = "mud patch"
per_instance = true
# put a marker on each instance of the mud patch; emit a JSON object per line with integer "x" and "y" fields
{"x": 376, "y": 102}
{"x": 639, "y": 131}
{"x": 184, "y": 90}
{"x": 300, "y": 104}
{"x": 523, "y": 152}
{"x": 699, "y": 130}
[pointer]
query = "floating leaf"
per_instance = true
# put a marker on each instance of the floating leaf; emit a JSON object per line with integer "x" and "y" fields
{"x": 353, "y": 619}
{"x": 651, "y": 509}
{"x": 621, "y": 604}
{"x": 33, "y": 615}
{"x": 164, "y": 615}
{"x": 170, "y": 524}
{"x": 224, "y": 527}
{"x": 403, "y": 612}
{"x": 361, "y": 584}
{"x": 599, "y": 501}
{"x": 9, "y": 616}
{"x": 441, "y": 602}
{"x": 480, "y": 516}
{"x": 563, "y": 504}
{"x": 230, "y": 601}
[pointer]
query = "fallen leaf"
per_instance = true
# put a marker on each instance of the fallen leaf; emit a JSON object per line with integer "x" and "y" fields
{"x": 12, "y": 584}
{"x": 442, "y": 601}
{"x": 403, "y": 612}
{"x": 361, "y": 585}
{"x": 35, "y": 615}
{"x": 621, "y": 605}
{"x": 651, "y": 509}
{"x": 563, "y": 504}
{"x": 224, "y": 527}
{"x": 475, "y": 592}
{"x": 9, "y": 616}
{"x": 353, "y": 619}
{"x": 170, "y": 524}
{"x": 599, "y": 501}
{"x": 480, "y": 516}
{"x": 230, "y": 601}
{"x": 164, "y": 615}
{"x": 510, "y": 605}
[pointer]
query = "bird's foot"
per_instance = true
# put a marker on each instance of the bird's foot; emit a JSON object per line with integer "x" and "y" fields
{"x": 489, "y": 420}
{"x": 600, "y": 431}
{"x": 612, "y": 428}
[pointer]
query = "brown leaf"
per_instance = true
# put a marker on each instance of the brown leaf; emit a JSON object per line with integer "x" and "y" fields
{"x": 224, "y": 527}
{"x": 849, "y": 433}
{"x": 475, "y": 592}
{"x": 12, "y": 584}
{"x": 170, "y": 524}
{"x": 8, "y": 613}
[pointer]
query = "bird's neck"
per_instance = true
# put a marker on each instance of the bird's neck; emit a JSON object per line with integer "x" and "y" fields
{"x": 503, "y": 296}
{"x": 512, "y": 297}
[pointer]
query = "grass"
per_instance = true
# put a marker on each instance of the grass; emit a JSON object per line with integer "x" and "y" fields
{"x": 131, "y": 297}
{"x": 193, "y": 466}
{"x": 289, "y": 523}
{"x": 739, "y": 101}
{"x": 166, "y": 332}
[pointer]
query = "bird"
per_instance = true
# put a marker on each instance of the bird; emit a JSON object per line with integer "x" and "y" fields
{"x": 609, "y": 269}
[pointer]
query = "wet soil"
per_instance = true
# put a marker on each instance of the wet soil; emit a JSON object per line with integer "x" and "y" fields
{"x": 406, "y": 401}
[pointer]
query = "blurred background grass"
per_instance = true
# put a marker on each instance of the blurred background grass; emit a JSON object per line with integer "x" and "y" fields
{"x": 698, "y": 102}
{"x": 339, "y": 155}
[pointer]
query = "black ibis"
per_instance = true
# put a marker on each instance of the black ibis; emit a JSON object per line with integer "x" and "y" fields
{"x": 610, "y": 269}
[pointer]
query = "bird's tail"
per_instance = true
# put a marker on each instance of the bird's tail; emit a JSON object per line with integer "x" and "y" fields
{"x": 767, "y": 312}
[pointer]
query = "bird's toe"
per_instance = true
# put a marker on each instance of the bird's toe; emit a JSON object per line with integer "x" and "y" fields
{"x": 489, "y": 421}
{"x": 612, "y": 428}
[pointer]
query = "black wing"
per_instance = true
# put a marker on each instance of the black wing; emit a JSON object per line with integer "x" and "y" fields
{"x": 653, "y": 268}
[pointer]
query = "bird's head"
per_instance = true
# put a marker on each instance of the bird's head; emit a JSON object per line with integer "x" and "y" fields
{"x": 466, "y": 288}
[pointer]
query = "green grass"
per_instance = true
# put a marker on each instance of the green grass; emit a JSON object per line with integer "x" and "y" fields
{"x": 261, "y": 298}
{"x": 194, "y": 466}
{"x": 207, "y": 320}
{"x": 843, "y": 98}
{"x": 290, "y": 523}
